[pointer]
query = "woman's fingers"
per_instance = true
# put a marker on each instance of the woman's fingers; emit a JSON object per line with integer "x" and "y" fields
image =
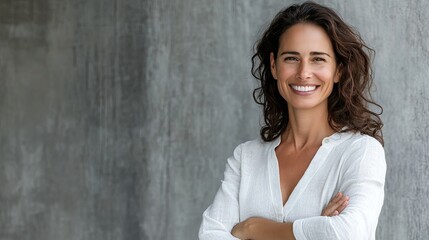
{"x": 330, "y": 208}
{"x": 344, "y": 205}
{"x": 337, "y": 204}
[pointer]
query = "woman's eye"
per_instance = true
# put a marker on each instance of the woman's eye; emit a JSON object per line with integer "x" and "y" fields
{"x": 291, "y": 59}
{"x": 319, "y": 59}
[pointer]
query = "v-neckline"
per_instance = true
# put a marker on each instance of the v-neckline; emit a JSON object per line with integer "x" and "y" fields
{"x": 296, "y": 193}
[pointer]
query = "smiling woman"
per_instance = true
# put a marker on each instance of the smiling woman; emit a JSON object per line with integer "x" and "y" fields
{"x": 318, "y": 170}
{"x": 306, "y": 69}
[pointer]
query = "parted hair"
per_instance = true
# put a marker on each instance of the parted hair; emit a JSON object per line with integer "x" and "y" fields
{"x": 350, "y": 101}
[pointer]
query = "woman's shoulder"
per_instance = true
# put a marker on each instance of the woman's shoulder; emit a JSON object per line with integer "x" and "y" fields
{"x": 363, "y": 149}
{"x": 358, "y": 140}
{"x": 254, "y": 147}
{"x": 256, "y": 144}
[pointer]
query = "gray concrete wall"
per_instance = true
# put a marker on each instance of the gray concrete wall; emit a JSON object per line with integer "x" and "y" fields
{"x": 117, "y": 116}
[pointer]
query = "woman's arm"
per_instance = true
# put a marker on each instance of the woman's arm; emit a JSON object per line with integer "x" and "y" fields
{"x": 260, "y": 228}
{"x": 221, "y": 216}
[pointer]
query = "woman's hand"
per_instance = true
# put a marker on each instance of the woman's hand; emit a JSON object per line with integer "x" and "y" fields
{"x": 336, "y": 205}
{"x": 256, "y": 228}
{"x": 242, "y": 229}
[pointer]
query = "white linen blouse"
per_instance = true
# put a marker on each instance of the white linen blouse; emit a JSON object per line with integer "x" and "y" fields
{"x": 351, "y": 163}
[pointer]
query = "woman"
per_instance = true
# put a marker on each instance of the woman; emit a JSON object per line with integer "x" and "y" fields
{"x": 318, "y": 170}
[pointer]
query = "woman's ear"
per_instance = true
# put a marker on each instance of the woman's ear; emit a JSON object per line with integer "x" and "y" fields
{"x": 338, "y": 73}
{"x": 273, "y": 66}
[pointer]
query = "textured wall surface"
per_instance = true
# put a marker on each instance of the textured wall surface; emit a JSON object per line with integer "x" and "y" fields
{"x": 117, "y": 116}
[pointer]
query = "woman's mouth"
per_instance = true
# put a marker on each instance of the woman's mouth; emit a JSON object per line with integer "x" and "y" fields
{"x": 304, "y": 89}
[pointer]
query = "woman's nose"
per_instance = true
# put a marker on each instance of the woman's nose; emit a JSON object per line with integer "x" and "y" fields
{"x": 304, "y": 71}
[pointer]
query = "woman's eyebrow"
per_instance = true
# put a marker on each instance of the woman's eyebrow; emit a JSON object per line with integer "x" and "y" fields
{"x": 297, "y": 53}
{"x": 319, "y": 53}
{"x": 289, "y": 52}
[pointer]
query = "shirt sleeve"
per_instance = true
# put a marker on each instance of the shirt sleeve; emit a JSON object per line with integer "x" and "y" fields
{"x": 362, "y": 178}
{"x": 222, "y": 215}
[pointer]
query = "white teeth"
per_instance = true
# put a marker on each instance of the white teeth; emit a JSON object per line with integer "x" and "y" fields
{"x": 303, "y": 88}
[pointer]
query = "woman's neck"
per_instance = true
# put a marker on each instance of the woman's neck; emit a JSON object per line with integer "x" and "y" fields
{"x": 307, "y": 128}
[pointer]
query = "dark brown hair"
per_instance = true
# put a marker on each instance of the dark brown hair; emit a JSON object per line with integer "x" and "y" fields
{"x": 348, "y": 104}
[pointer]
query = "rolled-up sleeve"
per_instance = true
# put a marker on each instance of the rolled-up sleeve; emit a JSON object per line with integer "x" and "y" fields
{"x": 362, "y": 178}
{"x": 222, "y": 215}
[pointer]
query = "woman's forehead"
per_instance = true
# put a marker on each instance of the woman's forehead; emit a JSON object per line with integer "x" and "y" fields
{"x": 305, "y": 37}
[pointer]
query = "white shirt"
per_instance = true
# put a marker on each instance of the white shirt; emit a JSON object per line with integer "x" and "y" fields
{"x": 351, "y": 163}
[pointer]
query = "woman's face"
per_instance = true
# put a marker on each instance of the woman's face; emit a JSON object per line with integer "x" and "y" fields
{"x": 305, "y": 67}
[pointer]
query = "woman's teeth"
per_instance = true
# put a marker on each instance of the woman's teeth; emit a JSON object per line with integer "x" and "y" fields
{"x": 303, "y": 88}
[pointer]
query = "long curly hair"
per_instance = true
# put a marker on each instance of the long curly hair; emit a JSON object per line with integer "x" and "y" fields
{"x": 350, "y": 100}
